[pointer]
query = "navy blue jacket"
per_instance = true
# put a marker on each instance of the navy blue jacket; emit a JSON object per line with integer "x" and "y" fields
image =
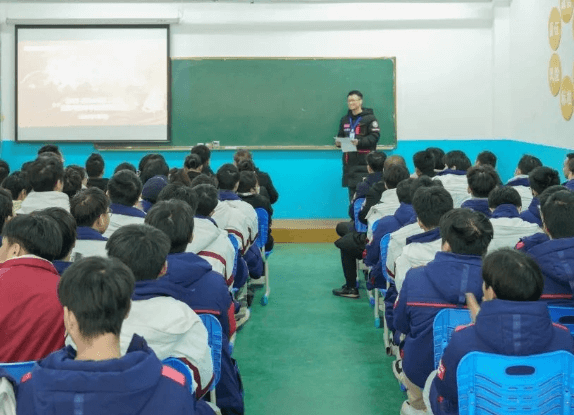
{"x": 367, "y": 183}
{"x": 511, "y": 328}
{"x": 136, "y": 383}
{"x": 528, "y": 242}
{"x": 556, "y": 260}
{"x": 569, "y": 185}
{"x": 532, "y": 214}
{"x": 442, "y": 283}
{"x": 89, "y": 234}
{"x": 520, "y": 181}
{"x": 480, "y": 205}
{"x": 451, "y": 171}
{"x": 505, "y": 211}
{"x": 61, "y": 266}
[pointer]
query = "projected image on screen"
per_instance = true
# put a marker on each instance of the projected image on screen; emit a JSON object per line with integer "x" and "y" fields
{"x": 92, "y": 84}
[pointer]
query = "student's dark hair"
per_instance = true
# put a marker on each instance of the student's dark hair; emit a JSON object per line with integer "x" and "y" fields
{"x": 4, "y": 170}
{"x": 95, "y": 165}
{"x": 241, "y": 155}
{"x": 404, "y": 191}
{"x": 558, "y": 214}
{"x": 15, "y": 183}
{"x": 192, "y": 161}
{"x": 247, "y": 181}
{"x": 125, "y": 166}
{"x": 542, "y": 178}
{"x": 467, "y": 232}
{"x": 423, "y": 181}
{"x": 175, "y": 219}
{"x": 246, "y": 165}
{"x": 481, "y": 180}
{"x": 528, "y": 163}
{"x": 72, "y": 181}
{"x": 148, "y": 158}
{"x": 543, "y": 197}
{"x": 458, "y": 159}
{"x": 207, "y": 197}
{"x": 486, "y": 158}
{"x": 38, "y": 235}
{"x": 355, "y": 92}
{"x": 438, "y": 156}
{"x": 178, "y": 176}
{"x": 204, "y": 179}
{"x": 98, "y": 291}
{"x": 395, "y": 160}
{"x": 424, "y": 161}
{"x": 154, "y": 168}
{"x": 227, "y": 176}
{"x": 142, "y": 248}
{"x": 6, "y": 206}
{"x": 504, "y": 195}
{"x": 88, "y": 205}
{"x": 124, "y": 188}
{"x": 81, "y": 171}
{"x": 50, "y": 148}
{"x": 203, "y": 152}
{"x": 430, "y": 204}
{"x": 376, "y": 160}
{"x": 44, "y": 173}
{"x": 395, "y": 174}
{"x": 178, "y": 191}
{"x": 513, "y": 275}
{"x": 66, "y": 224}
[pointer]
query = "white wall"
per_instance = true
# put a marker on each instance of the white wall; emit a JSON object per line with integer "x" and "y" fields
{"x": 445, "y": 53}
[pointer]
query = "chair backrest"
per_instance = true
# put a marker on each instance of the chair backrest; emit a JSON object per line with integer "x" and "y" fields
{"x": 263, "y": 219}
{"x": 235, "y": 244}
{"x": 215, "y": 341}
{"x": 182, "y": 368}
{"x": 443, "y": 326}
{"x": 357, "y": 204}
{"x": 18, "y": 369}
{"x": 525, "y": 385}
{"x": 563, "y": 315}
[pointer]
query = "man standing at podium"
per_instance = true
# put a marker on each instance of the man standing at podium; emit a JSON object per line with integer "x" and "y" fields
{"x": 361, "y": 126}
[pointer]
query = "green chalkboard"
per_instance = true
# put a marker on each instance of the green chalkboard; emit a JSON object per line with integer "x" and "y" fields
{"x": 276, "y": 102}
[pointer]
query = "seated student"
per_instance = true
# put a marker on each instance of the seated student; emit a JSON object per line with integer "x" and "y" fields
{"x": 263, "y": 178}
{"x": 520, "y": 181}
{"x": 556, "y": 256}
{"x": 51, "y": 149}
{"x": 30, "y": 315}
{"x": 438, "y": 156}
{"x": 4, "y": 170}
{"x": 248, "y": 191}
{"x": 430, "y": 205}
{"x": 125, "y": 166}
{"x": 453, "y": 177}
{"x": 153, "y": 168}
{"x": 149, "y": 158}
{"x": 46, "y": 176}
{"x": 169, "y": 325}
{"x": 204, "y": 154}
{"x": 6, "y": 208}
{"x": 505, "y": 204}
{"x": 95, "y": 169}
{"x": 486, "y": 158}
{"x": 72, "y": 181}
{"x": 67, "y": 225}
{"x": 97, "y": 377}
{"x": 248, "y": 165}
{"x": 441, "y": 283}
{"x": 151, "y": 190}
{"x": 19, "y": 187}
{"x": 512, "y": 284}
{"x": 90, "y": 209}
{"x": 481, "y": 181}
{"x": 192, "y": 166}
{"x": 540, "y": 179}
{"x": 568, "y": 170}
{"x": 124, "y": 190}
{"x": 424, "y": 163}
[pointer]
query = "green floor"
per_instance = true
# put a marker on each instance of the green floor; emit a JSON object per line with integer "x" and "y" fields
{"x": 309, "y": 352}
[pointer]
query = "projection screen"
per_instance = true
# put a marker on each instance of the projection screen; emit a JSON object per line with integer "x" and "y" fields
{"x": 92, "y": 83}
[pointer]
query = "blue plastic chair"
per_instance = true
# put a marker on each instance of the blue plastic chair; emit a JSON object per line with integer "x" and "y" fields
{"x": 445, "y": 322}
{"x": 18, "y": 369}
{"x": 263, "y": 219}
{"x": 235, "y": 244}
{"x": 357, "y": 204}
{"x": 563, "y": 315}
{"x": 182, "y": 368}
{"x": 380, "y": 292}
{"x": 215, "y": 341}
{"x": 525, "y": 385}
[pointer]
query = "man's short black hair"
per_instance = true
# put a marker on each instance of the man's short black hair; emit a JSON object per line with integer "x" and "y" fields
{"x": 4, "y": 170}
{"x": 98, "y": 291}
{"x": 15, "y": 183}
{"x": 207, "y": 197}
{"x": 528, "y": 163}
{"x": 423, "y": 181}
{"x": 142, "y": 248}
{"x": 6, "y": 206}
{"x": 154, "y": 168}
{"x": 395, "y": 174}
{"x": 125, "y": 166}
{"x": 125, "y": 188}
{"x": 424, "y": 161}
{"x": 148, "y": 158}
{"x": 51, "y": 148}
{"x": 67, "y": 225}
{"x": 44, "y": 173}
{"x": 175, "y": 219}
{"x": 542, "y": 178}
{"x": 404, "y": 191}
{"x": 203, "y": 152}
{"x": 247, "y": 181}
{"x": 72, "y": 181}
{"x": 355, "y": 92}
{"x": 457, "y": 160}
{"x": 430, "y": 204}
{"x": 543, "y": 197}
{"x": 246, "y": 165}
{"x": 38, "y": 235}
{"x": 204, "y": 179}
{"x": 88, "y": 205}
{"x": 95, "y": 165}
{"x": 513, "y": 275}
{"x": 192, "y": 161}
{"x": 227, "y": 176}
{"x": 438, "y": 156}
{"x": 504, "y": 195}
{"x": 481, "y": 180}
{"x": 178, "y": 191}
{"x": 468, "y": 232}
{"x": 558, "y": 214}
{"x": 486, "y": 158}
{"x": 376, "y": 160}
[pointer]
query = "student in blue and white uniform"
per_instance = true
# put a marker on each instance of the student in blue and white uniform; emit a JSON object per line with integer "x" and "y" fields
{"x": 481, "y": 181}
{"x": 124, "y": 190}
{"x": 90, "y": 208}
{"x": 540, "y": 179}
{"x": 453, "y": 177}
{"x": 568, "y": 171}
{"x": 520, "y": 180}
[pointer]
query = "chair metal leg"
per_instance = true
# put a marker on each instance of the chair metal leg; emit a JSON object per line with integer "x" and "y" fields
{"x": 265, "y": 298}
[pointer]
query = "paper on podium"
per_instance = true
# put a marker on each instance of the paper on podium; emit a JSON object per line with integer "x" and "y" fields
{"x": 346, "y": 145}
